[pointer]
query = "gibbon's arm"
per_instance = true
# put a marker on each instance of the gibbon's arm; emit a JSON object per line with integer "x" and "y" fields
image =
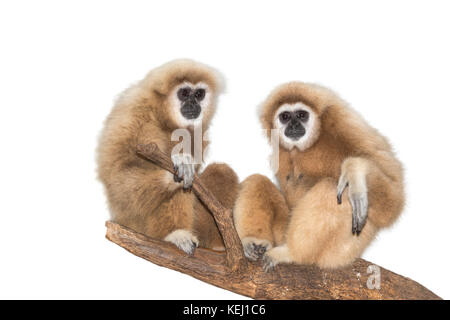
{"x": 184, "y": 163}
{"x": 370, "y": 190}
{"x": 142, "y": 189}
{"x": 362, "y": 140}
{"x": 144, "y": 181}
{"x": 373, "y": 175}
{"x": 353, "y": 174}
{"x": 353, "y": 131}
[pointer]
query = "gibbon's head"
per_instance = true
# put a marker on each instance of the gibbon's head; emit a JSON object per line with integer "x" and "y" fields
{"x": 295, "y": 109}
{"x": 186, "y": 93}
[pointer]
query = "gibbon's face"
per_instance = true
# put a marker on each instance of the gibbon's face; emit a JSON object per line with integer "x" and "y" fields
{"x": 298, "y": 125}
{"x": 189, "y": 103}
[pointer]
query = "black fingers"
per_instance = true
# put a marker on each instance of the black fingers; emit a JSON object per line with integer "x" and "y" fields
{"x": 354, "y": 217}
{"x": 339, "y": 198}
{"x": 176, "y": 176}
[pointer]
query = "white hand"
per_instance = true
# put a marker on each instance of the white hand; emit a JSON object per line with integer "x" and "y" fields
{"x": 184, "y": 169}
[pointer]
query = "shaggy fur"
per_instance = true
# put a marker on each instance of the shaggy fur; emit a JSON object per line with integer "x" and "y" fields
{"x": 140, "y": 194}
{"x": 345, "y": 148}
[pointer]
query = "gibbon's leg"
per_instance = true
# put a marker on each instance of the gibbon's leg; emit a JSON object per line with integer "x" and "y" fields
{"x": 275, "y": 256}
{"x": 260, "y": 215}
{"x": 223, "y": 183}
{"x": 371, "y": 192}
{"x": 135, "y": 192}
{"x": 173, "y": 221}
{"x": 320, "y": 231}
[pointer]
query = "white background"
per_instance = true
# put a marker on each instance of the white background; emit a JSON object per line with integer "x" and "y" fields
{"x": 63, "y": 63}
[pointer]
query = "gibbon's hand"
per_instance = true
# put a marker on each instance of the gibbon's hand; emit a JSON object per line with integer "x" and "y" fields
{"x": 357, "y": 194}
{"x": 183, "y": 164}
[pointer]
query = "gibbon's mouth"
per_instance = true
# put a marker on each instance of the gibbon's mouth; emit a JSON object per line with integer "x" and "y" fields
{"x": 190, "y": 111}
{"x": 294, "y": 133}
{"x": 191, "y": 115}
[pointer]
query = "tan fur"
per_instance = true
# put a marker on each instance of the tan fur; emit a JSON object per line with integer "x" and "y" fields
{"x": 320, "y": 230}
{"x": 140, "y": 194}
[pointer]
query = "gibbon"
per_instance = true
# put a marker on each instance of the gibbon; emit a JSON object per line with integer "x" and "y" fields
{"x": 141, "y": 195}
{"x": 339, "y": 178}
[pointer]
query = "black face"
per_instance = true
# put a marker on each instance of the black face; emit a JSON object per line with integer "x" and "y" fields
{"x": 190, "y": 106}
{"x": 294, "y": 123}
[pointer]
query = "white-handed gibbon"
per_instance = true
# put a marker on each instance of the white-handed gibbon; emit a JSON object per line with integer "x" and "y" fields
{"x": 339, "y": 178}
{"x": 141, "y": 195}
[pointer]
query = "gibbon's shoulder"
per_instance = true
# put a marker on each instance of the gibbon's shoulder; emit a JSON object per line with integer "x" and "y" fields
{"x": 342, "y": 121}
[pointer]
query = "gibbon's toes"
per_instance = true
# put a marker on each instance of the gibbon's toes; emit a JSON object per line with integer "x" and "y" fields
{"x": 359, "y": 204}
{"x": 183, "y": 239}
{"x": 255, "y": 248}
{"x": 268, "y": 263}
{"x": 275, "y": 256}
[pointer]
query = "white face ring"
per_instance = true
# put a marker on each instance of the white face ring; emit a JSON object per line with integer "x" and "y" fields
{"x": 312, "y": 127}
{"x": 175, "y": 104}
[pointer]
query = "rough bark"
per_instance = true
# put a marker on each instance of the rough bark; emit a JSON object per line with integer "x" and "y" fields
{"x": 231, "y": 271}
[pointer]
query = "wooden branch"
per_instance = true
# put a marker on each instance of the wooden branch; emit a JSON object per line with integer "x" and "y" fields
{"x": 231, "y": 271}
{"x": 284, "y": 282}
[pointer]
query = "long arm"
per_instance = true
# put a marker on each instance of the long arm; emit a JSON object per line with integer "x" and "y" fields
{"x": 135, "y": 187}
{"x": 373, "y": 175}
{"x": 372, "y": 193}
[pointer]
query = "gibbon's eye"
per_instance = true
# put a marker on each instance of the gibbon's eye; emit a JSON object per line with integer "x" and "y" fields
{"x": 184, "y": 93}
{"x": 199, "y": 94}
{"x": 285, "y": 117}
{"x": 302, "y": 115}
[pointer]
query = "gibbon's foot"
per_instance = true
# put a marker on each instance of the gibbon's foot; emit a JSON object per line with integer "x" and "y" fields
{"x": 183, "y": 239}
{"x": 275, "y": 256}
{"x": 358, "y": 200}
{"x": 268, "y": 263}
{"x": 255, "y": 248}
{"x": 183, "y": 163}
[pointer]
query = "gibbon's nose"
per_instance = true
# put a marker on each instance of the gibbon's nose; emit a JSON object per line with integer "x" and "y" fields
{"x": 294, "y": 131}
{"x": 190, "y": 110}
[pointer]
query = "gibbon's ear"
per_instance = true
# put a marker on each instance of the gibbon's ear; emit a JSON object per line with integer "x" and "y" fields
{"x": 166, "y": 77}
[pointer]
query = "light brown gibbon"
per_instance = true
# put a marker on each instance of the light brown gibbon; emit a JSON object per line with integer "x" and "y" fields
{"x": 141, "y": 195}
{"x": 339, "y": 178}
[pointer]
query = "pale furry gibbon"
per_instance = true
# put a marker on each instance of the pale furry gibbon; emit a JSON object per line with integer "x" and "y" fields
{"x": 339, "y": 178}
{"x": 141, "y": 195}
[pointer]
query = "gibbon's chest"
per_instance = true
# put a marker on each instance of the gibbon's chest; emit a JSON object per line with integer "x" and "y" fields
{"x": 324, "y": 159}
